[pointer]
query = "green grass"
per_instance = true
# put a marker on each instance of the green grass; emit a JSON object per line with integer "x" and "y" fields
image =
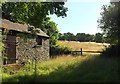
{"x": 90, "y": 68}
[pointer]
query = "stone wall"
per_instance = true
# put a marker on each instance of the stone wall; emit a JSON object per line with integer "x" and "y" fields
{"x": 28, "y": 50}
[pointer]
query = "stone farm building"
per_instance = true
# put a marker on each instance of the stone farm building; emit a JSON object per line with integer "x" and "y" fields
{"x": 22, "y": 50}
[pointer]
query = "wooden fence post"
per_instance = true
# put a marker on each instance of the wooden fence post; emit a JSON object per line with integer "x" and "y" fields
{"x": 81, "y": 50}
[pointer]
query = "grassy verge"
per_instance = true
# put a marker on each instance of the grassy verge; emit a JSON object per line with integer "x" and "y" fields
{"x": 69, "y": 69}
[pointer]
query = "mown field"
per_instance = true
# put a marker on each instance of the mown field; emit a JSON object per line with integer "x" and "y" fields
{"x": 76, "y": 45}
{"x": 67, "y": 68}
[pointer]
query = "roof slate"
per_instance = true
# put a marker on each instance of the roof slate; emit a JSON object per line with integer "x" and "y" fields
{"x": 19, "y": 27}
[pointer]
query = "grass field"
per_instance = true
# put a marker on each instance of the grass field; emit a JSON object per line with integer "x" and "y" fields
{"x": 76, "y": 45}
{"x": 68, "y": 68}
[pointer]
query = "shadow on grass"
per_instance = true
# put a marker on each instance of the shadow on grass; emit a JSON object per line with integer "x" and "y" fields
{"x": 95, "y": 69}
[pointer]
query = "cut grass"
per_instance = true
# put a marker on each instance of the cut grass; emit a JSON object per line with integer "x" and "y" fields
{"x": 76, "y": 45}
{"x": 92, "y": 68}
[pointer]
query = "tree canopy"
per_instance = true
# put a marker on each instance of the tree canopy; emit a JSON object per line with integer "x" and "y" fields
{"x": 110, "y": 21}
{"x": 82, "y": 37}
{"x": 50, "y": 28}
{"x": 36, "y": 14}
{"x": 98, "y": 37}
{"x": 32, "y": 13}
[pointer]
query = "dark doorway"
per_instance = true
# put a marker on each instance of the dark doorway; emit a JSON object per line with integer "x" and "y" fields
{"x": 11, "y": 47}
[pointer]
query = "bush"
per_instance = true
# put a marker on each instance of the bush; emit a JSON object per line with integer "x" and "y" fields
{"x": 112, "y": 51}
{"x": 59, "y": 50}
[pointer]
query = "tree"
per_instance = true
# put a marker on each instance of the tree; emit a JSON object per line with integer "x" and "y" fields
{"x": 61, "y": 36}
{"x": 99, "y": 37}
{"x": 51, "y": 29}
{"x": 2, "y": 2}
{"x": 80, "y": 37}
{"x": 36, "y": 14}
{"x": 89, "y": 37}
{"x": 110, "y": 22}
{"x": 69, "y": 36}
{"x": 32, "y": 13}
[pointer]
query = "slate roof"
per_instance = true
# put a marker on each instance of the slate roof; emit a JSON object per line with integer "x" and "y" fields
{"x": 6, "y": 24}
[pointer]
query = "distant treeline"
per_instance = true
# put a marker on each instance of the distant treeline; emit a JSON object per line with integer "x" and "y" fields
{"x": 82, "y": 37}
